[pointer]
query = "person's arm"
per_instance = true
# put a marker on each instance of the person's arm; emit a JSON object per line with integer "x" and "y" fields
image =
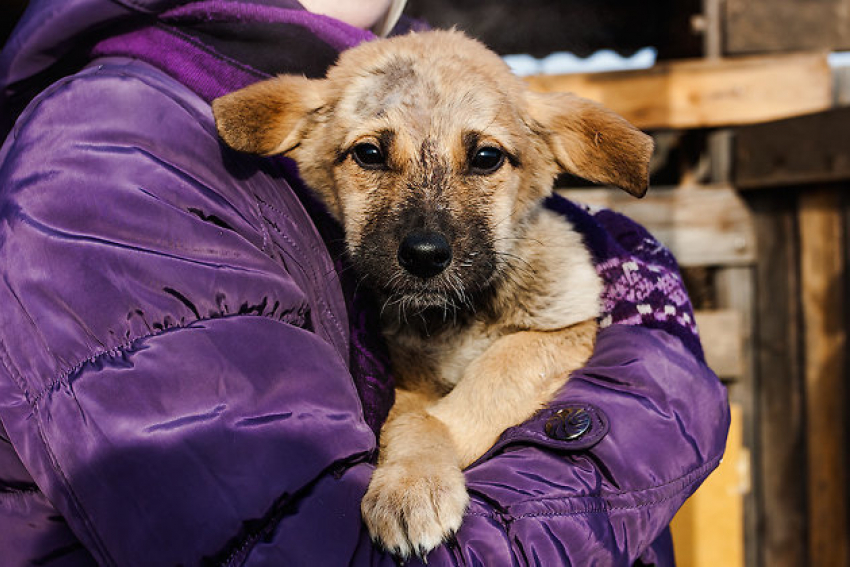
{"x": 173, "y": 367}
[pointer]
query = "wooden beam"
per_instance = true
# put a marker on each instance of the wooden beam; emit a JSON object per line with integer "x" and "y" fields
{"x": 706, "y": 93}
{"x": 822, "y": 267}
{"x": 721, "y": 335}
{"x": 735, "y": 289}
{"x": 797, "y": 151}
{"x": 779, "y": 463}
{"x": 702, "y": 226}
{"x": 757, "y": 26}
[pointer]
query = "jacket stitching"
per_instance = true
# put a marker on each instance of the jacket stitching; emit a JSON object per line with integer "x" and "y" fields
{"x": 311, "y": 273}
{"x": 685, "y": 480}
{"x": 12, "y": 370}
{"x": 626, "y": 492}
{"x": 606, "y": 509}
{"x": 265, "y": 229}
{"x": 62, "y": 380}
{"x": 74, "y": 500}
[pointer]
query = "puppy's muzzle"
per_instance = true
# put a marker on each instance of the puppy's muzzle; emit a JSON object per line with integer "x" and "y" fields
{"x": 424, "y": 254}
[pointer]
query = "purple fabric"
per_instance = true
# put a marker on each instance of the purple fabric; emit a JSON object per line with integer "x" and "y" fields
{"x": 180, "y": 381}
{"x": 210, "y": 74}
{"x": 331, "y": 31}
{"x": 643, "y": 285}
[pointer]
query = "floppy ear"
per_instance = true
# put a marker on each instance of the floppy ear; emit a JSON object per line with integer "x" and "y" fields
{"x": 268, "y": 117}
{"x": 592, "y": 142}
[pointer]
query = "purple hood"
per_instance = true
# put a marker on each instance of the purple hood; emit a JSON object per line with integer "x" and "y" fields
{"x": 188, "y": 374}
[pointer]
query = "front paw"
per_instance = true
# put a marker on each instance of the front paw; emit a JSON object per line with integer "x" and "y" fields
{"x": 412, "y": 507}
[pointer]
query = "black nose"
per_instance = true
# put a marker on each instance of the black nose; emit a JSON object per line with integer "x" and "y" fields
{"x": 424, "y": 254}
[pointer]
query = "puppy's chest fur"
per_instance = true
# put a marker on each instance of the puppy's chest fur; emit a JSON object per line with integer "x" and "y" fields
{"x": 551, "y": 284}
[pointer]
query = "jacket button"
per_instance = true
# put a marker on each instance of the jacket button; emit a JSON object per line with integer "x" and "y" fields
{"x": 568, "y": 424}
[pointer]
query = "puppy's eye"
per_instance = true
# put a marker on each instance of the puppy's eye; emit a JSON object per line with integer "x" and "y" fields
{"x": 486, "y": 160}
{"x": 369, "y": 156}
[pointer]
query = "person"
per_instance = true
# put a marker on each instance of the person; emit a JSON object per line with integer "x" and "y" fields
{"x": 189, "y": 373}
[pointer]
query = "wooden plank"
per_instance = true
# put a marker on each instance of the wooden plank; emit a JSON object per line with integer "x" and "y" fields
{"x": 779, "y": 464}
{"x": 706, "y": 93}
{"x": 721, "y": 336}
{"x": 708, "y": 529}
{"x": 757, "y": 26}
{"x": 797, "y": 151}
{"x": 735, "y": 289}
{"x": 823, "y": 267}
{"x": 701, "y": 225}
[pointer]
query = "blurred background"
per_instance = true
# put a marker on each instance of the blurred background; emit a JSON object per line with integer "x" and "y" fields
{"x": 747, "y": 102}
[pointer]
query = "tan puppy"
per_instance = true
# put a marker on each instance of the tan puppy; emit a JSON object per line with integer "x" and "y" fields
{"x": 436, "y": 159}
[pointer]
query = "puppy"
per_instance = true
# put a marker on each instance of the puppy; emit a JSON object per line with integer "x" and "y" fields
{"x": 436, "y": 160}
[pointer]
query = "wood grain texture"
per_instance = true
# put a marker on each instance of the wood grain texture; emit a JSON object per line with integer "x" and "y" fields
{"x": 706, "y": 93}
{"x": 721, "y": 334}
{"x": 822, "y": 265}
{"x": 701, "y": 225}
{"x": 802, "y": 150}
{"x": 756, "y": 26}
{"x": 779, "y": 464}
{"x": 735, "y": 290}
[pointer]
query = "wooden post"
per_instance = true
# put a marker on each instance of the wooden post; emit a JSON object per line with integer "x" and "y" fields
{"x": 822, "y": 265}
{"x": 779, "y": 462}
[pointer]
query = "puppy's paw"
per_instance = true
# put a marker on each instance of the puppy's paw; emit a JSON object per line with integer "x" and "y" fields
{"x": 411, "y": 508}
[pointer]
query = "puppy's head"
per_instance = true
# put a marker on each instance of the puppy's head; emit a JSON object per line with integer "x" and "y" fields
{"x": 433, "y": 156}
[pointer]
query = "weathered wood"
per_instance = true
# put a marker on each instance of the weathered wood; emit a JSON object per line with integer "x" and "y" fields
{"x": 703, "y": 93}
{"x": 779, "y": 463}
{"x": 757, "y": 26}
{"x": 735, "y": 289}
{"x": 721, "y": 335}
{"x": 822, "y": 264}
{"x": 803, "y": 150}
{"x": 712, "y": 14}
{"x": 708, "y": 530}
{"x": 701, "y": 225}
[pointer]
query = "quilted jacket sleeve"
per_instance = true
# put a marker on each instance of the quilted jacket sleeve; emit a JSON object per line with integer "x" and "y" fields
{"x": 173, "y": 355}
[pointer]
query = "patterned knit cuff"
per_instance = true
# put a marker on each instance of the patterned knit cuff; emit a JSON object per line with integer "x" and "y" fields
{"x": 643, "y": 285}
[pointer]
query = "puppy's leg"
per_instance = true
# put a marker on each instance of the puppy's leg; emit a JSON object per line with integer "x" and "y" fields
{"x": 417, "y": 495}
{"x": 516, "y": 376}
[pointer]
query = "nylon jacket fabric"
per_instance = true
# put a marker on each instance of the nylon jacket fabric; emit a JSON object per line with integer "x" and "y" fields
{"x": 177, "y": 384}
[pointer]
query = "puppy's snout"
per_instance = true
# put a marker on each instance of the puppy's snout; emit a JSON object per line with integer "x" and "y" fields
{"x": 424, "y": 254}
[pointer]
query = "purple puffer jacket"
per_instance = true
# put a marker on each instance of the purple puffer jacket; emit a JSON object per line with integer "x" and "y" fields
{"x": 187, "y": 375}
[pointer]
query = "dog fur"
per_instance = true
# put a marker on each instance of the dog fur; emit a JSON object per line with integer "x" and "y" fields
{"x": 392, "y": 141}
